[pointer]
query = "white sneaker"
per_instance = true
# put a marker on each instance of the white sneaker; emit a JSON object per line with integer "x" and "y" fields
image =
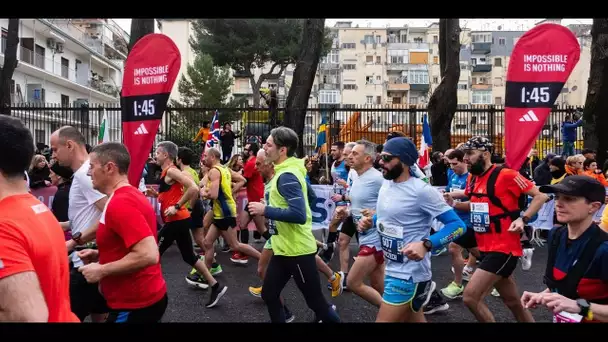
{"x": 526, "y": 259}
{"x": 467, "y": 273}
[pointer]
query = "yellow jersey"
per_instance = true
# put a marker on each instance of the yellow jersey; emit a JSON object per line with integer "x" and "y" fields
{"x": 224, "y": 205}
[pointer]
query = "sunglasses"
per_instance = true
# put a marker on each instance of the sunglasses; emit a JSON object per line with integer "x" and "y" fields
{"x": 387, "y": 157}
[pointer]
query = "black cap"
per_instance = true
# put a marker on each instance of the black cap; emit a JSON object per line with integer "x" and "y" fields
{"x": 578, "y": 186}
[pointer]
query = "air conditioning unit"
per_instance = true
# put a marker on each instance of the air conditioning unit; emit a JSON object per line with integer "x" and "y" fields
{"x": 59, "y": 48}
{"x": 50, "y": 43}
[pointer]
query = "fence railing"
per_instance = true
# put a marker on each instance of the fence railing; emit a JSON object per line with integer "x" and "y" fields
{"x": 374, "y": 122}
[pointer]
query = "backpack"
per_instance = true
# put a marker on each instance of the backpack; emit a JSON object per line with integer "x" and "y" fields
{"x": 491, "y": 194}
{"x": 568, "y": 285}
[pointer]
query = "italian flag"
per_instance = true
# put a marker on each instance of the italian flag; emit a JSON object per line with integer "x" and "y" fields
{"x": 104, "y": 133}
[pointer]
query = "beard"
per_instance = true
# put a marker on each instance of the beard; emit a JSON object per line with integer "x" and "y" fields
{"x": 477, "y": 168}
{"x": 393, "y": 173}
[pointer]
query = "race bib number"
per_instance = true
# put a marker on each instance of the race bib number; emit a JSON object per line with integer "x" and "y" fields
{"x": 392, "y": 242}
{"x": 272, "y": 227}
{"x": 566, "y": 317}
{"x": 480, "y": 217}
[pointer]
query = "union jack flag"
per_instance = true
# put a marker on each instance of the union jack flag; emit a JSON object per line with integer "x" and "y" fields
{"x": 214, "y": 132}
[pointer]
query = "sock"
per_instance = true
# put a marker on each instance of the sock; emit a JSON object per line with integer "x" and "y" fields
{"x": 266, "y": 235}
{"x": 244, "y": 236}
{"x": 331, "y": 237}
{"x": 216, "y": 285}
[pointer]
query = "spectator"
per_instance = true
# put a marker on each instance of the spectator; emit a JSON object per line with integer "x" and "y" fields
{"x": 227, "y": 138}
{"x": 439, "y": 170}
{"x": 574, "y": 164}
{"x": 557, "y": 166}
{"x": 542, "y": 173}
{"x": 39, "y": 173}
{"x": 236, "y": 163}
{"x": 569, "y": 127}
{"x": 61, "y": 177}
{"x": 588, "y": 153}
{"x": 591, "y": 170}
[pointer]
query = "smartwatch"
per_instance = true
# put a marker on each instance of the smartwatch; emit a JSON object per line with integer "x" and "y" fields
{"x": 76, "y": 237}
{"x": 177, "y": 206}
{"x": 525, "y": 219}
{"x": 585, "y": 308}
{"x": 427, "y": 244}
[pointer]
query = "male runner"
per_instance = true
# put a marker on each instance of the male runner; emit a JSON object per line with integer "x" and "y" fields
{"x": 290, "y": 224}
{"x": 495, "y": 215}
{"x": 456, "y": 185}
{"x": 127, "y": 262}
{"x": 219, "y": 189}
{"x": 405, "y": 210}
{"x": 172, "y": 199}
{"x": 363, "y": 194}
{"x": 84, "y": 210}
{"x": 255, "y": 193}
{"x": 34, "y": 272}
{"x": 266, "y": 169}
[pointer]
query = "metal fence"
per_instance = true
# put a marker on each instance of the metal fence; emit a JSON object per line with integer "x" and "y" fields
{"x": 182, "y": 124}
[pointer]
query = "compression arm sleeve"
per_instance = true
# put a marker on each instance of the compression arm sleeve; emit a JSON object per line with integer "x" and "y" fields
{"x": 291, "y": 189}
{"x": 452, "y": 230}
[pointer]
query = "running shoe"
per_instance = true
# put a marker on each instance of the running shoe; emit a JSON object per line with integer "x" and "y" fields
{"x": 337, "y": 285}
{"x": 217, "y": 292}
{"x": 215, "y": 267}
{"x": 495, "y": 293}
{"x": 467, "y": 272}
{"x": 239, "y": 258}
{"x": 435, "y": 304}
{"x": 255, "y": 291}
{"x": 317, "y": 320}
{"x": 289, "y": 316}
{"x": 197, "y": 280}
{"x": 526, "y": 259}
{"x": 453, "y": 291}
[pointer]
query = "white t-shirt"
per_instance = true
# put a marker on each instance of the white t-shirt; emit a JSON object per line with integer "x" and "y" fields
{"x": 82, "y": 211}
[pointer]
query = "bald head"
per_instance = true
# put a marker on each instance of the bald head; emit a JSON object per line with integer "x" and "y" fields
{"x": 70, "y": 133}
{"x": 263, "y": 165}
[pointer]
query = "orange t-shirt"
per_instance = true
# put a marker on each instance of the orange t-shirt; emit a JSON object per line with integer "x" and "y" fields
{"x": 168, "y": 196}
{"x": 31, "y": 239}
{"x": 509, "y": 186}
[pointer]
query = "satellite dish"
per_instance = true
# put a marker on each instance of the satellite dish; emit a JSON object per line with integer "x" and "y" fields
{"x": 574, "y": 88}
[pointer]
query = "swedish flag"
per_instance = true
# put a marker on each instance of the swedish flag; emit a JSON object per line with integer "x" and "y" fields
{"x": 321, "y": 133}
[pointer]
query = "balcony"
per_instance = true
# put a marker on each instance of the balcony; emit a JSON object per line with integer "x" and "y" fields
{"x": 242, "y": 91}
{"x": 481, "y": 47}
{"x": 405, "y": 66}
{"x": 482, "y": 68}
{"x": 54, "y": 71}
{"x": 420, "y": 87}
{"x": 329, "y": 66}
{"x": 408, "y": 46}
{"x": 329, "y": 86}
{"x": 481, "y": 87}
{"x": 398, "y": 87}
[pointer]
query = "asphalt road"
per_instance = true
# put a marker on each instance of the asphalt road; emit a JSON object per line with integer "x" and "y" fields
{"x": 187, "y": 304}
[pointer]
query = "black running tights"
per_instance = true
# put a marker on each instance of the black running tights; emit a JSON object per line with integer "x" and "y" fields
{"x": 178, "y": 231}
{"x": 304, "y": 271}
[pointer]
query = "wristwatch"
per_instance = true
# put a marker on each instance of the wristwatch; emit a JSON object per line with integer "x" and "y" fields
{"x": 177, "y": 206}
{"x": 585, "y": 308}
{"x": 76, "y": 237}
{"x": 525, "y": 219}
{"x": 427, "y": 244}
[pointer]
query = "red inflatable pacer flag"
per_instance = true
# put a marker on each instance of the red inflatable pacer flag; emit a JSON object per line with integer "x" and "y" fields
{"x": 150, "y": 72}
{"x": 540, "y": 64}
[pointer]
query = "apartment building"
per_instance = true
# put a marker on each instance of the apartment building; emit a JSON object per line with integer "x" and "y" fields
{"x": 67, "y": 62}
{"x": 180, "y": 31}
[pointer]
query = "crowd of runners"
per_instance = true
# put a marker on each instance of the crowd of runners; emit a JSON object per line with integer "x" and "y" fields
{"x": 109, "y": 266}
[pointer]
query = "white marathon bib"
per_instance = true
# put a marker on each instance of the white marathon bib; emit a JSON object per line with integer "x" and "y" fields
{"x": 480, "y": 217}
{"x": 566, "y": 317}
{"x": 392, "y": 241}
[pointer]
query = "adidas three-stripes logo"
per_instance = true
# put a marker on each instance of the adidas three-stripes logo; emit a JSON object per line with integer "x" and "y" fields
{"x": 141, "y": 130}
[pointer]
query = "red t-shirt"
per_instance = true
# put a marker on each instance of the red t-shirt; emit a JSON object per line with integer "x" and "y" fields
{"x": 509, "y": 186}
{"x": 31, "y": 239}
{"x": 127, "y": 219}
{"x": 255, "y": 183}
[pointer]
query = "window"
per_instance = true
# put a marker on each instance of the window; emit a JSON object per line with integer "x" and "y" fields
{"x": 65, "y": 67}
{"x": 498, "y": 101}
{"x": 435, "y": 59}
{"x": 419, "y": 77}
{"x": 369, "y": 59}
{"x": 498, "y": 62}
{"x": 463, "y": 86}
{"x": 40, "y": 135}
{"x": 329, "y": 96}
{"x": 65, "y": 101}
{"x": 378, "y": 39}
{"x": 350, "y": 86}
{"x": 39, "y": 56}
{"x": 473, "y": 80}
{"x": 435, "y": 79}
{"x": 378, "y": 79}
{"x": 482, "y": 97}
{"x": 3, "y": 40}
{"x": 431, "y": 51}
{"x": 349, "y": 66}
{"x": 481, "y": 37}
{"x": 418, "y": 40}
{"x": 498, "y": 81}
{"x": 368, "y": 39}
{"x": 502, "y": 41}
{"x": 378, "y": 60}
{"x": 435, "y": 39}
{"x": 378, "y": 99}
{"x": 398, "y": 56}
{"x": 482, "y": 80}
{"x": 349, "y": 45}
{"x": 369, "y": 100}
{"x": 463, "y": 66}
{"x": 369, "y": 79}
{"x": 332, "y": 57}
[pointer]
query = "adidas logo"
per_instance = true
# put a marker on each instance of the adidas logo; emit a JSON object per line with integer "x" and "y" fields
{"x": 141, "y": 130}
{"x": 529, "y": 116}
